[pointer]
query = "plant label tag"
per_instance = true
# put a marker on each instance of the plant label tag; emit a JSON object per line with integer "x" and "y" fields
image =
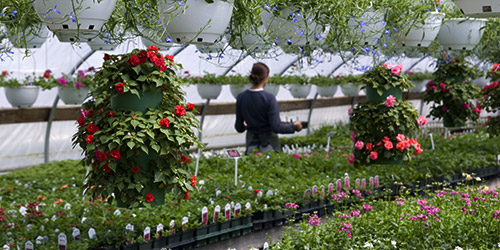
{"x": 358, "y": 183}
{"x": 307, "y": 195}
{"x": 377, "y": 183}
{"x": 227, "y": 208}
{"x": 363, "y": 184}
{"x": 92, "y": 234}
{"x": 330, "y": 188}
{"x": 347, "y": 183}
{"x": 28, "y": 245}
{"x": 159, "y": 230}
{"x": 6, "y": 247}
{"x": 339, "y": 185}
{"x": 233, "y": 153}
{"x": 322, "y": 192}
{"x": 498, "y": 159}
{"x": 216, "y": 213}
{"x": 204, "y": 215}
{"x": 62, "y": 241}
{"x": 185, "y": 221}
{"x": 315, "y": 189}
{"x": 371, "y": 182}
{"x": 147, "y": 233}
{"x": 76, "y": 234}
{"x": 266, "y": 246}
{"x": 129, "y": 227}
{"x": 217, "y": 192}
{"x": 172, "y": 227}
{"x": 237, "y": 209}
{"x": 248, "y": 206}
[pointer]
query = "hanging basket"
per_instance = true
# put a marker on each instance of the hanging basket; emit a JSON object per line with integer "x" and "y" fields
{"x": 34, "y": 39}
{"x": 419, "y": 85}
{"x": 327, "y": 91}
{"x": 238, "y": 89}
{"x": 22, "y": 97}
{"x": 422, "y": 35}
{"x": 248, "y": 41}
{"x": 129, "y": 101}
{"x": 461, "y": 33}
{"x": 69, "y": 23}
{"x": 209, "y": 91}
{"x": 299, "y": 91}
{"x": 197, "y": 21}
{"x": 72, "y": 95}
{"x": 99, "y": 44}
{"x": 479, "y": 8}
{"x": 272, "y": 88}
{"x": 350, "y": 89}
{"x": 371, "y": 31}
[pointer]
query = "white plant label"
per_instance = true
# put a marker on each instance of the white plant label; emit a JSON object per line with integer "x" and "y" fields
{"x": 185, "y": 221}
{"x": 227, "y": 210}
{"x": 307, "y": 194}
{"x": 216, "y": 213}
{"x": 204, "y": 215}
{"x": 159, "y": 229}
{"x": 28, "y": 245}
{"x": 6, "y": 247}
{"x": 62, "y": 241}
{"x": 237, "y": 209}
{"x": 322, "y": 192}
{"x": 377, "y": 183}
{"x": 172, "y": 227}
{"x": 339, "y": 185}
{"x": 363, "y": 184}
{"x": 266, "y": 246}
{"x": 330, "y": 188}
{"x": 498, "y": 158}
{"x": 217, "y": 192}
{"x": 92, "y": 234}
{"x": 76, "y": 234}
{"x": 248, "y": 206}
{"x": 147, "y": 233}
{"x": 314, "y": 189}
{"x": 358, "y": 183}
{"x": 371, "y": 182}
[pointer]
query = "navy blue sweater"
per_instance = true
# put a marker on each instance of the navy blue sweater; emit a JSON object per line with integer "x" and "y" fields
{"x": 259, "y": 109}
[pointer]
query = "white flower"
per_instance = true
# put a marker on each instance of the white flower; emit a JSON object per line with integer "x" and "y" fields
{"x": 54, "y": 189}
{"x": 478, "y": 179}
{"x": 84, "y": 219}
{"x": 393, "y": 243}
{"x": 117, "y": 212}
{"x": 458, "y": 248}
{"x": 201, "y": 182}
{"x": 54, "y": 218}
{"x": 368, "y": 245}
{"x": 23, "y": 211}
{"x": 67, "y": 206}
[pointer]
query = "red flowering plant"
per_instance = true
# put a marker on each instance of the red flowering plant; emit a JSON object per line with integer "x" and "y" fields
{"x": 114, "y": 140}
{"x": 451, "y": 91}
{"x": 491, "y": 103}
{"x": 384, "y": 77}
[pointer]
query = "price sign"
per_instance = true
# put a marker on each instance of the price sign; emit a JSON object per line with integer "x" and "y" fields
{"x": 172, "y": 227}
{"x": 159, "y": 230}
{"x": 233, "y": 153}
{"x": 147, "y": 233}
{"x": 330, "y": 188}
{"x": 76, "y": 233}
{"x": 62, "y": 241}
{"x": 363, "y": 184}
{"x": 377, "y": 183}
{"x": 498, "y": 158}
{"x": 339, "y": 185}
{"x": 314, "y": 189}
{"x": 92, "y": 234}
{"x": 28, "y": 245}
{"x": 358, "y": 183}
{"x": 185, "y": 221}
{"x": 248, "y": 206}
{"x": 322, "y": 192}
{"x": 307, "y": 194}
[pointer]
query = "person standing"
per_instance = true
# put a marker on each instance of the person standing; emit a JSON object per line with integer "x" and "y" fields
{"x": 257, "y": 113}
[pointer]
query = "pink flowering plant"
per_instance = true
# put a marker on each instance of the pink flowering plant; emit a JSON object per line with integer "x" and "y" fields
{"x": 82, "y": 79}
{"x": 384, "y": 77}
{"x": 452, "y": 90}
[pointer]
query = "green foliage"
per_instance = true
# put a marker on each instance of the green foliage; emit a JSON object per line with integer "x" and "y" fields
{"x": 381, "y": 78}
{"x": 419, "y": 76}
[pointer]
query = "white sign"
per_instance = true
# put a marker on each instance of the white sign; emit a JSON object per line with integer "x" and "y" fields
{"x": 363, "y": 184}
{"x": 307, "y": 194}
{"x": 147, "y": 233}
{"x": 358, "y": 183}
{"x": 248, "y": 206}
{"x": 28, "y": 245}
{"x": 159, "y": 229}
{"x": 377, "y": 183}
{"x": 233, "y": 153}
{"x": 6, "y": 247}
{"x": 237, "y": 209}
{"x": 322, "y": 192}
{"x": 204, "y": 215}
{"x": 185, "y": 221}
{"x": 227, "y": 210}
{"x": 339, "y": 185}
{"x": 76, "y": 234}
{"x": 216, "y": 213}
{"x": 498, "y": 159}
{"x": 92, "y": 234}
{"x": 62, "y": 241}
{"x": 314, "y": 189}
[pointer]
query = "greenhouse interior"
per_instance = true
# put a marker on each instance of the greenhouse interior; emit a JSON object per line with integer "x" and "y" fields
{"x": 249, "y": 124}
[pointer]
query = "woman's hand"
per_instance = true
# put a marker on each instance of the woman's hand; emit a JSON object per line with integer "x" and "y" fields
{"x": 298, "y": 126}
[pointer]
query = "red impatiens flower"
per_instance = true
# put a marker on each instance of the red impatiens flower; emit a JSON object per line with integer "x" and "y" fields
{"x": 81, "y": 121}
{"x": 106, "y": 57}
{"x": 115, "y": 153}
{"x": 46, "y": 74}
{"x": 190, "y": 106}
{"x": 111, "y": 114}
{"x": 169, "y": 57}
{"x": 149, "y": 197}
{"x": 135, "y": 169}
{"x": 193, "y": 181}
{"x": 185, "y": 159}
{"x": 92, "y": 129}
{"x": 101, "y": 155}
{"x": 180, "y": 110}
{"x": 119, "y": 87}
{"x": 89, "y": 139}
{"x": 153, "y": 48}
{"x": 134, "y": 60}
{"x": 5, "y": 73}
{"x": 186, "y": 195}
{"x": 106, "y": 168}
{"x": 165, "y": 122}
{"x": 143, "y": 56}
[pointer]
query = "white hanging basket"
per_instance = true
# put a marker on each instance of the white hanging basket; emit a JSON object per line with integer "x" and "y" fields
{"x": 327, "y": 91}
{"x": 34, "y": 40}
{"x": 100, "y": 44}
{"x": 299, "y": 91}
{"x": 350, "y": 89}
{"x": 197, "y": 21}
{"x": 368, "y": 28}
{"x": 422, "y": 35}
{"x": 72, "y": 95}
{"x": 419, "y": 85}
{"x": 249, "y": 42}
{"x": 236, "y": 90}
{"x": 481, "y": 81}
{"x": 22, "y": 97}
{"x": 160, "y": 46}
{"x": 272, "y": 88}
{"x": 209, "y": 91}
{"x": 479, "y": 8}
{"x": 461, "y": 33}
{"x": 60, "y": 16}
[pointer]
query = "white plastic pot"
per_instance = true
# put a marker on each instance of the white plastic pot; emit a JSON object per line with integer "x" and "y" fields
{"x": 249, "y": 42}
{"x": 350, "y": 89}
{"x": 299, "y": 91}
{"x": 34, "y": 40}
{"x": 100, "y": 44}
{"x": 272, "y": 88}
{"x": 197, "y": 21}
{"x": 479, "y": 8}
{"x": 422, "y": 35}
{"x": 327, "y": 91}
{"x": 209, "y": 91}
{"x": 236, "y": 90}
{"x": 90, "y": 15}
{"x": 72, "y": 95}
{"x": 22, "y": 97}
{"x": 461, "y": 33}
{"x": 481, "y": 82}
{"x": 419, "y": 85}
{"x": 373, "y": 27}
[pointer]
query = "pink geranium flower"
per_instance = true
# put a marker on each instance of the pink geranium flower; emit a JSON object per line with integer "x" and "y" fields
{"x": 396, "y": 70}
{"x": 373, "y": 155}
{"x": 422, "y": 120}
{"x": 359, "y": 145}
{"x": 351, "y": 159}
{"x": 389, "y": 102}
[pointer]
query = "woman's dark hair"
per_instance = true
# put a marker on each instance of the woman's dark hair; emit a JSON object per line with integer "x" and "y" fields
{"x": 259, "y": 72}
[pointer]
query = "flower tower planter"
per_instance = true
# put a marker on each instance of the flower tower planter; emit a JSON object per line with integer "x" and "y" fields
{"x": 195, "y": 21}
{"x": 22, "y": 97}
{"x": 74, "y": 20}
{"x": 384, "y": 127}
{"x": 136, "y": 130}
{"x": 479, "y": 8}
{"x": 461, "y": 33}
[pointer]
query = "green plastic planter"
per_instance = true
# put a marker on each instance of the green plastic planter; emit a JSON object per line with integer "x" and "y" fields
{"x": 129, "y": 101}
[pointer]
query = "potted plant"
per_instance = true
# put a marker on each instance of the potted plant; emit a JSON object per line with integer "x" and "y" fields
{"x": 451, "y": 91}
{"x": 350, "y": 85}
{"x": 491, "y": 103}
{"x": 136, "y": 131}
{"x": 299, "y": 86}
{"x": 419, "y": 79}
{"x": 237, "y": 84}
{"x": 75, "y": 90}
{"x": 480, "y": 8}
{"x": 326, "y": 86}
{"x": 461, "y": 33}
{"x": 384, "y": 128}
{"x": 20, "y": 94}
{"x": 208, "y": 86}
